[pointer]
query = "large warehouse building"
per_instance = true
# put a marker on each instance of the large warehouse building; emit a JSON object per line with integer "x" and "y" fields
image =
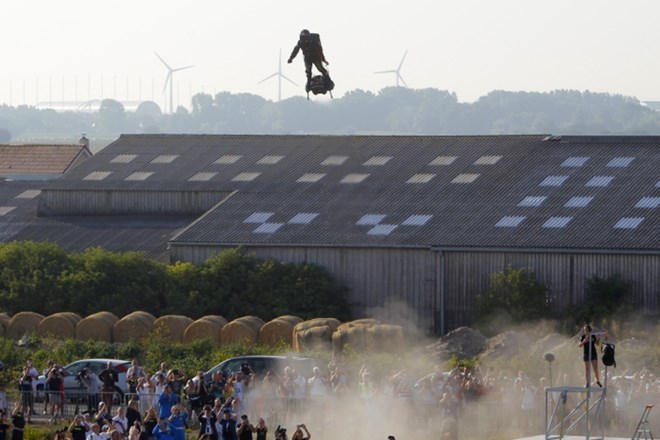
{"x": 413, "y": 226}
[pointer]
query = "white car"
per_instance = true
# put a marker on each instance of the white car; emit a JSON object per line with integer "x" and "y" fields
{"x": 72, "y": 385}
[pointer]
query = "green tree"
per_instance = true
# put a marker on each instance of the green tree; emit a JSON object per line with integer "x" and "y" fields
{"x": 29, "y": 274}
{"x": 605, "y": 298}
{"x": 514, "y": 292}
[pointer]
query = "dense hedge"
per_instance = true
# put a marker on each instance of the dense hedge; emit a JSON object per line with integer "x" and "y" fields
{"x": 43, "y": 278}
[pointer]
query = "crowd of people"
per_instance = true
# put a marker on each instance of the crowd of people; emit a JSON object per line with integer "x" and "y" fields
{"x": 164, "y": 404}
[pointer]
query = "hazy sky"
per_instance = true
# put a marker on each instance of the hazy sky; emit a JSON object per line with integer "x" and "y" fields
{"x": 469, "y": 47}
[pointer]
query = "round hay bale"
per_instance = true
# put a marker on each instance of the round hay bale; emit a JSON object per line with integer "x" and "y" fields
{"x": 4, "y": 322}
{"x": 245, "y": 330}
{"x": 272, "y": 332}
{"x": 384, "y": 337}
{"x": 134, "y": 326}
{"x": 61, "y": 325}
{"x": 365, "y": 322}
{"x": 205, "y": 327}
{"x": 315, "y": 338}
{"x": 353, "y": 336}
{"x": 293, "y": 320}
{"x": 171, "y": 327}
{"x": 330, "y": 323}
{"x": 23, "y": 323}
{"x": 252, "y": 320}
{"x": 96, "y": 327}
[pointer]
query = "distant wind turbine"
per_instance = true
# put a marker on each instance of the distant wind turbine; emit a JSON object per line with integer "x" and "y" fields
{"x": 169, "y": 78}
{"x": 279, "y": 76}
{"x": 397, "y": 71}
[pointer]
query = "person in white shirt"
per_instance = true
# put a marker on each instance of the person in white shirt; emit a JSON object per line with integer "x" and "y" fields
{"x": 317, "y": 385}
{"x": 120, "y": 422}
{"x": 96, "y": 433}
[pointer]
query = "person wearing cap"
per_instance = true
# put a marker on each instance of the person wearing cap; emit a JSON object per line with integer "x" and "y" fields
{"x": 207, "y": 423}
{"x": 245, "y": 428}
{"x": 227, "y": 426}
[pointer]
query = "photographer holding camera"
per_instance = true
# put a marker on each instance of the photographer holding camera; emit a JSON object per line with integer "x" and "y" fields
{"x": 89, "y": 381}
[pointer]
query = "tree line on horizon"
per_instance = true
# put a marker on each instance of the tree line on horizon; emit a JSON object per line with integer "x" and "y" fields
{"x": 393, "y": 110}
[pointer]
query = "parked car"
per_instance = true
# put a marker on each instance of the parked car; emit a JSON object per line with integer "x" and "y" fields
{"x": 261, "y": 364}
{"x": 72, "y": 384}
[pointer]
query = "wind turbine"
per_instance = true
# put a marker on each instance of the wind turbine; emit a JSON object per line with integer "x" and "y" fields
{"x": 168, "y": 78}
{"x": 279, "y": 76}
{"x": 397, "y": 71}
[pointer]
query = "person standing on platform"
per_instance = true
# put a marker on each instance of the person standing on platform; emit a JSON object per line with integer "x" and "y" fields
{"x": 588, "y": 343}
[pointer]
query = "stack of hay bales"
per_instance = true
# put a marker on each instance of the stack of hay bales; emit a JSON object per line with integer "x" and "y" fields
{"x": 4, "y": 322}
{"x": 97, "y": 327}
{"x": 205, "y": 327}
{"x": 23, "y": 323}
{"x": 352, "y": 334}
{"x": 315, "y": 334}
{"x": 133, "y": 326}
{"x": 385, "y": 338}
{"x": 172, "y": 327}
{"x": 241, "y": 330}
{"x": 279, "y": 329}
{"x": 60, "y": 325}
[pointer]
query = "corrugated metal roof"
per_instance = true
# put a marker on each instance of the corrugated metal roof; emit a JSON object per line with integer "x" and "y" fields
{"x": 467, "y": 188}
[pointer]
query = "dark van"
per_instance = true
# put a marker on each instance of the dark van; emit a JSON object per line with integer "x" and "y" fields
{"x": 261, "y": 364}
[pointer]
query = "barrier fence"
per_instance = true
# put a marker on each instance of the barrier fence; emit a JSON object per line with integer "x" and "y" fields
{"x": 471, "y": 417}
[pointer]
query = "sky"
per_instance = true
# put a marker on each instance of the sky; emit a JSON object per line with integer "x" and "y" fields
{"x": 74, "y": 50}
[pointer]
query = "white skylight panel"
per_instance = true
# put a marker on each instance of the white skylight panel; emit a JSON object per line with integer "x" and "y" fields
{"x": 97, "y": 175}
{"x": 202, "y": 177}
{"x": 228, "y": 159}
{"x": 488, "y": 160}
{"x": 600, "y": 181}
{"x": 553, "y": 181}
{"x": 123, "y": 158}
{"x": 648, "y": 202}
{"x": 575, "y": 161}
{"x": 377, "y": 161}
{"x": 245, "y": 177}
{"x": 334, "y": 160}
{"x": 443, "y": 160}
{"x": 268, "y": 228}
{"x": 370, "y": 219}
{"x": 557, "y": 222}
{"x": 578, "y": 202}
{"x": 4, "y": 210}
{"x": 417, "y": 220}
{"x": 465, "y": 178}
{"x": 165, "y": 158}
{"x": 384, "y": 229}
{"x": 532, "y": 201}
{"x": 303, "y": 218}
{"x": 310, "y": 177}
{"x": 510, "y": 221}
{"x": 629, "y": 223}
{"x": 354, "y": 178}
{"x": 139, "y": 176}
{"x": 620, "y": 162}
{"x": 421, "y": 178}
{"x": 28, "y": 194}
{"x": 270, "y": 160}
{"x": 259, "y": 217}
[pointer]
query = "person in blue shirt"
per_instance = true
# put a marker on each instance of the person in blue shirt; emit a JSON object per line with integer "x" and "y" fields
{"x": 178, "y": 422}
{"x": 163, "y": 431}
{"x": 166, "y": 400}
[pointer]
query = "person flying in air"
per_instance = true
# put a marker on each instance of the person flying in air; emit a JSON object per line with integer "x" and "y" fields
{"x": 310, "y": 44}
